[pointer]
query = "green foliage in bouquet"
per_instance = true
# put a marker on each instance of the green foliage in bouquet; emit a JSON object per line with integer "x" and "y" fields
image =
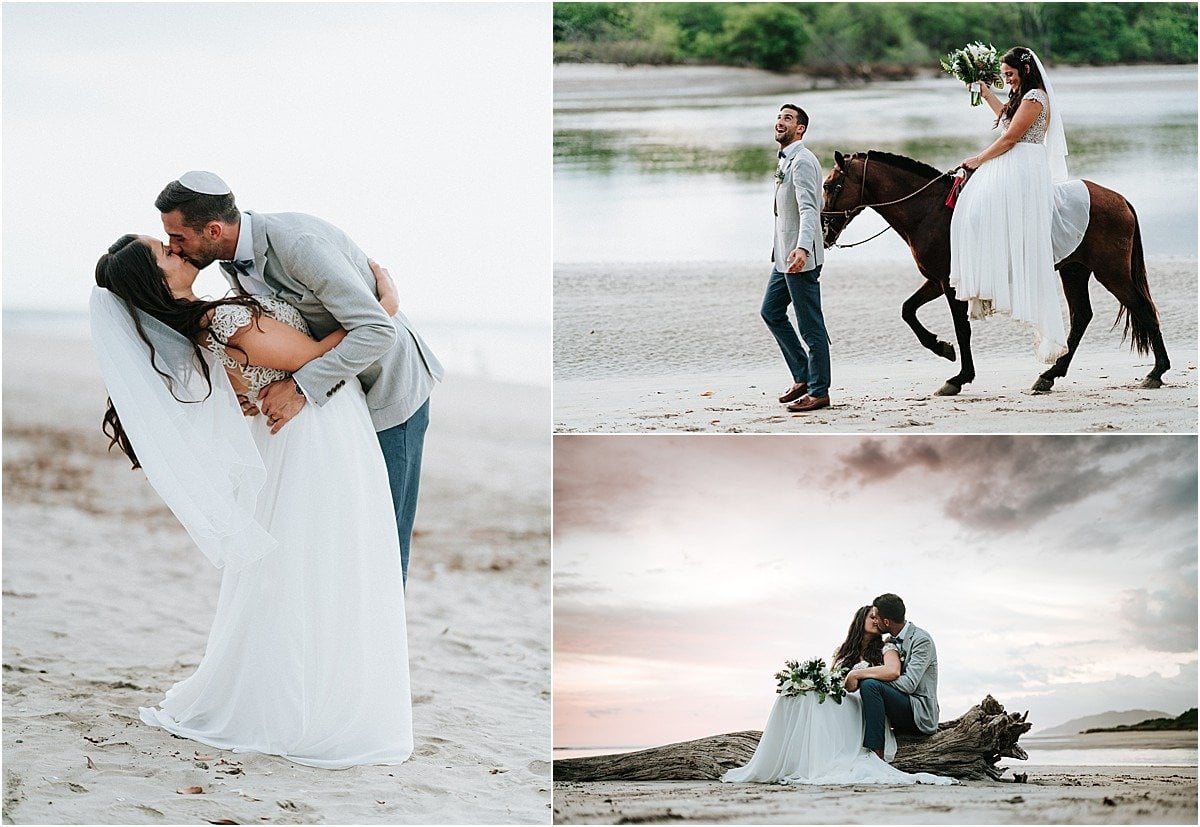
{"x": 812, "y": 676}
{"x": 974, "y": 63}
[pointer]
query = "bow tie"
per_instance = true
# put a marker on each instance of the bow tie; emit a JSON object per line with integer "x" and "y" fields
{"x": 781, "y": 153}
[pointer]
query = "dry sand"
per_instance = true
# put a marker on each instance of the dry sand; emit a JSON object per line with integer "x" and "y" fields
{"x": 675, "y": 348}
{"x": 1053, "y": 795}
{"x": 107, "y": 603}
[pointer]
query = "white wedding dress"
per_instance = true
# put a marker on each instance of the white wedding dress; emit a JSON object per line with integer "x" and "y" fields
{"x": 307, "y": 657}
{"x": 807, "y": 742}
{"x": 1001, "y": 255}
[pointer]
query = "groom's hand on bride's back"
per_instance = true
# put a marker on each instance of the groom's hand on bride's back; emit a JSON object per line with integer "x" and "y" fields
{"x": 280, "y": 401}
{"x": 248, "y": 407}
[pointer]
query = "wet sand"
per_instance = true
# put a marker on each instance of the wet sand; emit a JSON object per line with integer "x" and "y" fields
{"x": 1052, "y": 795}
{"x": 674, "y": 348}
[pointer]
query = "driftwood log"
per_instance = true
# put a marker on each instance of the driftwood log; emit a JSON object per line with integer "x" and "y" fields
{"x": 967, "y": 748}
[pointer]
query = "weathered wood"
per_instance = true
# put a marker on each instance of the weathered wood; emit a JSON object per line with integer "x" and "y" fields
{"x": 967, "y": 748}
{"x": 705, "y": 759}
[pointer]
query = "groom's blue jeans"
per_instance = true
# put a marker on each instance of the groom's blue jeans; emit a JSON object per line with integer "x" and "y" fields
{"x": 803, "y": 292}
{"x": 882, "y": 702}
{"x": 402, "y": 447}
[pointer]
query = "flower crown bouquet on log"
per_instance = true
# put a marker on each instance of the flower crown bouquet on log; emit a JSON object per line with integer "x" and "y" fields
{"x": 975, "y": 64}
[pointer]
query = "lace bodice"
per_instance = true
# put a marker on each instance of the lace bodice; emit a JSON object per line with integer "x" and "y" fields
{"x": 1035, "y": 134}
{"x": 228, "y": 319}
{"x": 887, "y": 647}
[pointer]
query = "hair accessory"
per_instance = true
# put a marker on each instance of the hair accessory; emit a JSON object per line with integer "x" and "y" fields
{"x": 204, "y": 183}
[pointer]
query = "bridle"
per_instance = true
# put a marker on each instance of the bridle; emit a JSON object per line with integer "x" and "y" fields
{"x": 850, "y": 214}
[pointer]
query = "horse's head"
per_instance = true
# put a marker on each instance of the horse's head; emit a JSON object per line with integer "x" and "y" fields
{"x": 843, "y": 196}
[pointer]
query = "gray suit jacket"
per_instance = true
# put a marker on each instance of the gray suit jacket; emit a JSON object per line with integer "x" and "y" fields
{"x": 798, "y": 208}
{"x": 315, "y": 266}
{"x": 918, "y": 677}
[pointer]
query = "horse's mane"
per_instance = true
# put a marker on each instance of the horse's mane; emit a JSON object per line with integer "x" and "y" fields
{"x": 901, "y": 162}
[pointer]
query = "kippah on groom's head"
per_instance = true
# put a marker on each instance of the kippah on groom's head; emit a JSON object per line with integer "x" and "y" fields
{"x": 200, "y": 197}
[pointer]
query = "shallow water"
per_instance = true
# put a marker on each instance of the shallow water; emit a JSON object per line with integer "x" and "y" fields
{"x": 676, "y": 164}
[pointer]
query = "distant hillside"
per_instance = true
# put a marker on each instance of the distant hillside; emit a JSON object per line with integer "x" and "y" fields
{"x": 1186, "y": 721}
{"x": 1104, "y": 719}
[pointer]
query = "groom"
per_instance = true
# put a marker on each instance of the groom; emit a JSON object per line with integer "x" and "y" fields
{"x": 314, "y": 266}
{"x": 798, "y": 255}
{"x": 910, "y": 701}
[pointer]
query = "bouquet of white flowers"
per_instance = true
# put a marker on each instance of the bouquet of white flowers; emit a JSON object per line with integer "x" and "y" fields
{"x": 811, "y": 676}
{"x": 975, "y": 63}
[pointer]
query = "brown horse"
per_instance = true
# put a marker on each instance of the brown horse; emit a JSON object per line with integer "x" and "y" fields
{"x": 911, "y": 197}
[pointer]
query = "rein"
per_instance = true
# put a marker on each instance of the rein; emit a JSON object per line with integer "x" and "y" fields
{"x": 851, "y": 213}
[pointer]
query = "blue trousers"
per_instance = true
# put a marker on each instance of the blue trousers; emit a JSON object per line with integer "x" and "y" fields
{"x": 402, "y": 447}
{"x": 803, "y": 292}
{"x": 882, "y": 702}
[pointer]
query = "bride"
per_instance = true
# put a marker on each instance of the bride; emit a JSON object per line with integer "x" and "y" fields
{"x": 808, "y": 742}
{"x": 307, "y": 657}
{"x": 1001, "y": 252}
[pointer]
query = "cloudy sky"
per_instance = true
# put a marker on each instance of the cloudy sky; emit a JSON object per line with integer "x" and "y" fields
{"x": 1056, "y": 573}
{"x": 423, "y": 130}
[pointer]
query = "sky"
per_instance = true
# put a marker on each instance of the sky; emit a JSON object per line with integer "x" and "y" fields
{"x": 423, "y": 130}
{"x": 1056, "y": 573}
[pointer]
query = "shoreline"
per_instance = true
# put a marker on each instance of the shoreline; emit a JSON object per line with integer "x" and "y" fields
{"x": 1058, "y": 795}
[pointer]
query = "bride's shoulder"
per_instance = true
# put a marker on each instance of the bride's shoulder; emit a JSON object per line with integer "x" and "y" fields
{"x": 1038, "y": 95}
{"x": 890, "y": 646}
{"x": 227, "y": 319}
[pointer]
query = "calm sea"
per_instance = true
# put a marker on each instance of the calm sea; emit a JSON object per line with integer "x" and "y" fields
{"x": 512, "y": 353}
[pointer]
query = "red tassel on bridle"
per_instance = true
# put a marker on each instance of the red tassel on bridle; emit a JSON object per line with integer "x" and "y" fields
{"x": 959, "y": 179}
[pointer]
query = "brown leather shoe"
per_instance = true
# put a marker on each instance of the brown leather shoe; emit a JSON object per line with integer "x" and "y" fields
{"x": 794, "y": 392}
{"x": 808, "y": 403}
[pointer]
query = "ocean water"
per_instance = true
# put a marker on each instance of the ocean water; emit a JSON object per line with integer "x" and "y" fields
{"x": 511, "y": 353}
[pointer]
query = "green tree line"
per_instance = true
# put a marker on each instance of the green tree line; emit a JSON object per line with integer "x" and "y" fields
{"x": 840, "y": 37}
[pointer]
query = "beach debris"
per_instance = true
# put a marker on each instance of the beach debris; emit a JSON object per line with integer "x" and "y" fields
{"x": 198, "y": 757}
{"x": 1016, "y": 799}
{"x": 200, "y": 765}
{"x": 496, "y": 771}
{"x": 91, "y": 765}
{"x": 287, "y": 805}
{"x": 707, "y": 393}
{"x": 224, "y": 821}
{"x": 1108, "y": 802}
{"x": 1021, "y": 777}
{"x": 190, "y": 791}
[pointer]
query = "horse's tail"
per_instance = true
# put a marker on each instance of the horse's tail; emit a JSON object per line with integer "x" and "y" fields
{"x": 1136, "y": 323}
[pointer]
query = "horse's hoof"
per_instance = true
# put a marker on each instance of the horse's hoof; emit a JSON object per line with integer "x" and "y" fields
{"x": 1152, "y": 382}
{"x": 948, "y": 389}
{"x": 945, "y": 350}
{"x": 1044, "y": 384}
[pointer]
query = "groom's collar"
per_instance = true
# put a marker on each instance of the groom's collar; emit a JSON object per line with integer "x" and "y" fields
{"x": 245, "y": 242}
{"x": 903, "y": 632}
{"x": 791, "y": 149}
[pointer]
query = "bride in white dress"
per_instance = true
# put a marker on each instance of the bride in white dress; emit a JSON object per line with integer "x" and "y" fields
{"x": 1001, "y": 256}
{"x": 809, "y": 742}
{"x": 307, "y": 657}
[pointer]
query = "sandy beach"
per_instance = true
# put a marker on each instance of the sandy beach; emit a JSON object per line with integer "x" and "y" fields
{"x": 1052, "y": 795}
{"x": 107, "y": 603}
{"x": 635, "y": 353}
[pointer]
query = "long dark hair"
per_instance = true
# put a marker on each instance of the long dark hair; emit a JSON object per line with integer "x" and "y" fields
{"x": 128, "y": 270}
{"x": 858, "y": 644}
{"x": 1021, "y": 59}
